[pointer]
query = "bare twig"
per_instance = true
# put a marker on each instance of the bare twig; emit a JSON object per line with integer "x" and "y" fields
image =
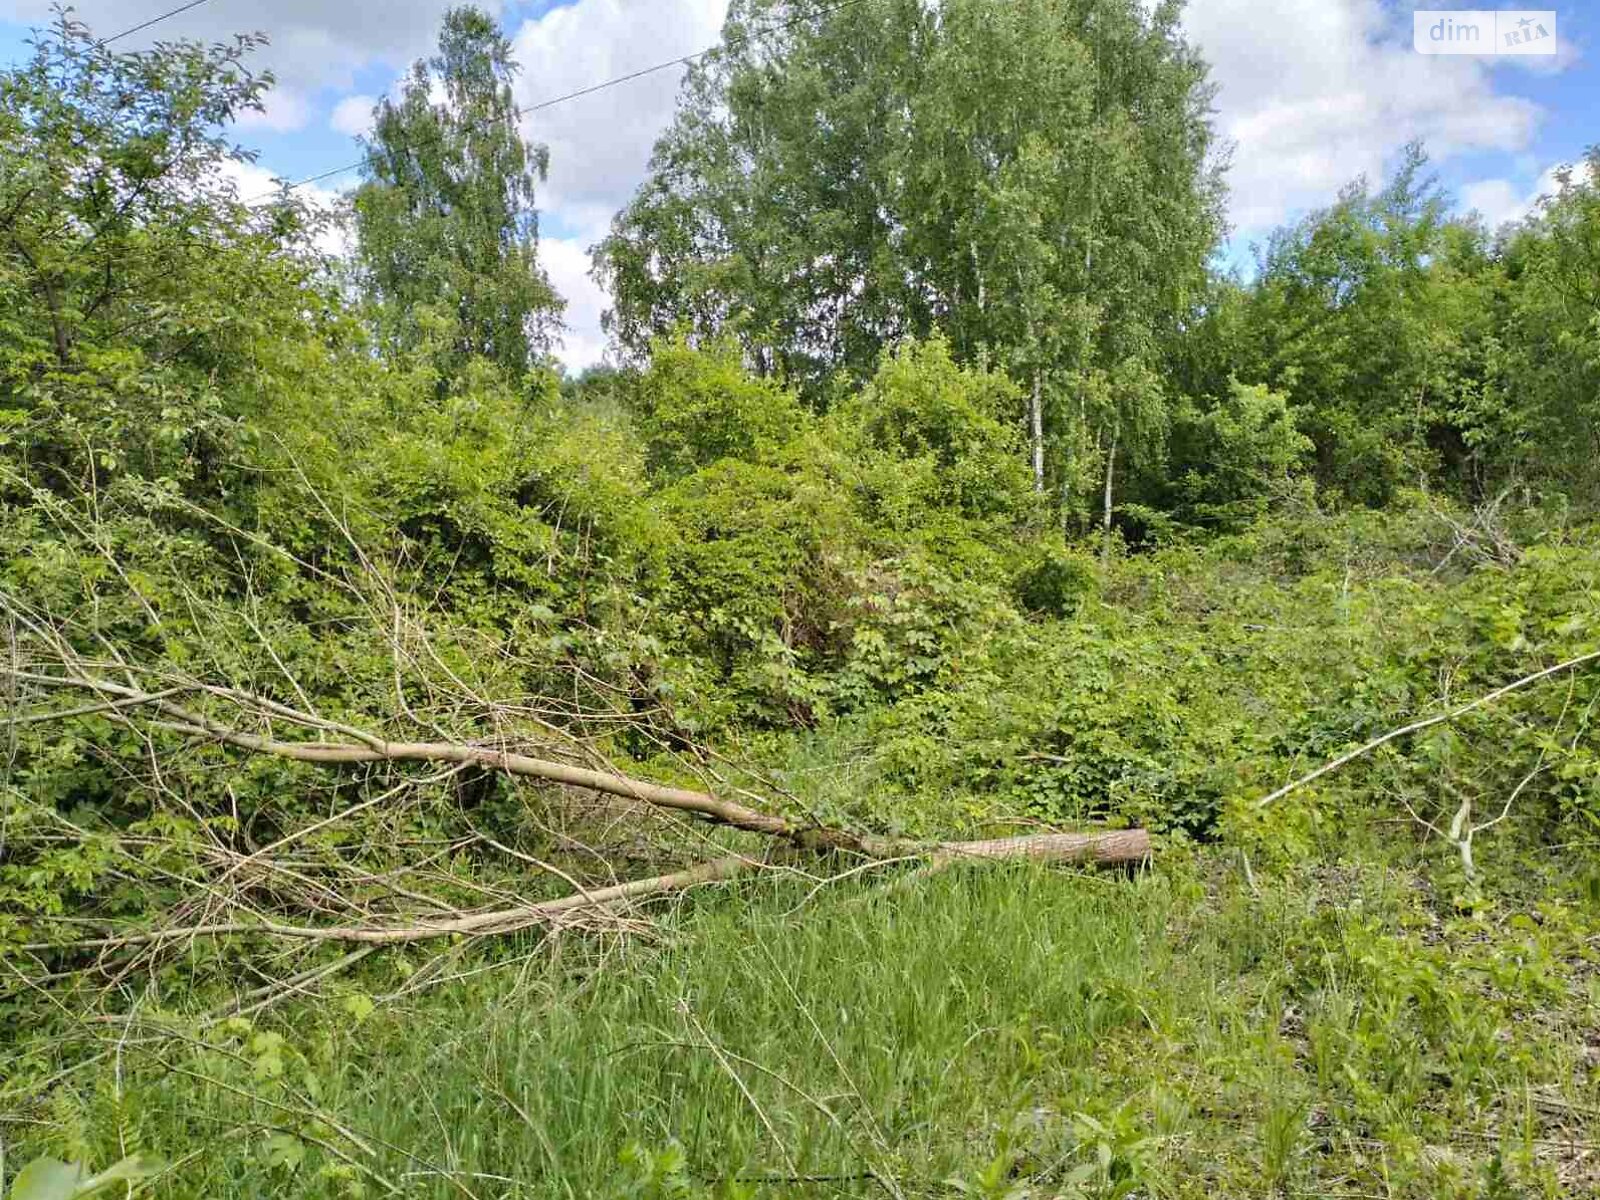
{"x": 507, "y": 920}
{"x": 1570, "y": 664}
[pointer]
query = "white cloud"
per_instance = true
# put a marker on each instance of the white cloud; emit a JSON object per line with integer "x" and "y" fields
{"x": 566, "y": 260}
{"x": 1316, "y": 92}
{"x": 600, "y": 143}
{"x": 1501, "y": 200}
{"x": 352, "y": 116}
{"x": 252, "y": 182}
{"x": 313, "y": 43}
{"x": 1496, "y": 200}
{"x": 284, "y": 109}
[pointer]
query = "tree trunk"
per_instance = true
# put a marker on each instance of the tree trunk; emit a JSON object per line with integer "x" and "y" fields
{"x": 250, "y": 723}
{"x": 358, "y": 746}
{"x": 1118, "y": 847}
{"x": 1036, "y": 421}
{"x": 52, "y": 298}
{"x": 1111, "y": 463}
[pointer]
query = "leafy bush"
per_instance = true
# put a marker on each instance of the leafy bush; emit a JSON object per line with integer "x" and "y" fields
{"x": 699, "y": 406}
{"x": 937, "y": 437}
{"x": 757, "y": 581}
{"x": 1228, "y": 461}
{"x": 1056, "y": 581}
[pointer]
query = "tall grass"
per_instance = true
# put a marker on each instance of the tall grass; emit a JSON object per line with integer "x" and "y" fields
{"x": 892, "y": 1030}
{"x": 1004, "y": 1031}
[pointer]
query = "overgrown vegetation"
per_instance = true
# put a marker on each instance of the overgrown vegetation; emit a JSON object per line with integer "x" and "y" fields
{"x": 365, "y": 678}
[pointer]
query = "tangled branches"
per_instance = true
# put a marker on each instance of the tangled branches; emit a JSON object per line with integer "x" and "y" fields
{"x": 270, "y": 824}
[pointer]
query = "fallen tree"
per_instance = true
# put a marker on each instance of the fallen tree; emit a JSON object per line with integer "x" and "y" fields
{"x": 1112, "y": 847}
{"x": 172, "y": 714}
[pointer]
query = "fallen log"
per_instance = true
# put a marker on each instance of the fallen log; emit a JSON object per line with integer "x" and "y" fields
{"x": 175, "y": 706}
{"x": 1114, "y": 847}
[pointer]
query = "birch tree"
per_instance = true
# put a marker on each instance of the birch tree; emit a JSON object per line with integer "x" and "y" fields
{"x": 446, "y": 224}
{"x": 1034, "y": 179}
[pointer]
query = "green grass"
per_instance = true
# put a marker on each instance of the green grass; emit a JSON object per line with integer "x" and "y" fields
{"x": 1006, "y": 1032}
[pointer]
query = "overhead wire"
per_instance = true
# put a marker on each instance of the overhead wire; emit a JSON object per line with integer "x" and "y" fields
{"x": 591, "y": 89}
{"x": 156, "y": 20}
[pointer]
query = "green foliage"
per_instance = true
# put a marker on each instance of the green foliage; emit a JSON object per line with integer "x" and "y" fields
{"x": 699, "y": 406}
{"x": 1057, "y": 581}
{"x": 822, "y": 566}
{"x": 1409, "y": 344}
{"x": 51, "y": 1179}
{"x": 1188, "y": 681}
{"x": 1228, "y": 462}
{"x": 149, "y": 318}
{"x": 1539, "y": 417}
{"x": 1034, "y": 181}
{"x": 1353, "y": 324}
{"x": 913, "y": 628}
{"x": 446, "y": 230}
{"x": 939, "y": 438}
{"x": 755, "y": 586}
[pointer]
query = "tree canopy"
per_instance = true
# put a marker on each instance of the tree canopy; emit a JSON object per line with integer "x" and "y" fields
{"x": 1034, "y": 179}
{"x": 138, "y": 294}
{"x": 446, "y": 226}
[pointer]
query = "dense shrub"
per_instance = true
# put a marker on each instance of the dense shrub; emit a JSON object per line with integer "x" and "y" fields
{"x": 937, "y": 437}
{"x": 699, "y": 406}
{"x": 1228, "y": 461}
{"x": 1056, "y": 580}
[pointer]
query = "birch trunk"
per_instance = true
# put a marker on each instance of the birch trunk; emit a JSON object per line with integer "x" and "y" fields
{"x": 1105, "y": 521}
{"x": 1036, "y": 421}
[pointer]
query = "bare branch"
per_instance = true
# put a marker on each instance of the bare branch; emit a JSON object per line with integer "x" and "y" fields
{"x": 1570, "y": 664}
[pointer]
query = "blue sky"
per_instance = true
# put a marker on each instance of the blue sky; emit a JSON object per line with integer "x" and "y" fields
{"x": 1312, "y": 94}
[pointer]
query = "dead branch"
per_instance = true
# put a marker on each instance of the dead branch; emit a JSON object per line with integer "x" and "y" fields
{"x": 299, "y": 899}
{"x": 1570, "y": 664}
{"x": 497, "y": 921}
{"x": 1123, "y": 846}
{"x": 1482, "y": 537}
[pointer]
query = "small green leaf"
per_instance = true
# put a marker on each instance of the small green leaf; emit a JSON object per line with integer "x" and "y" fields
{"x": 285, "y": 1152}
{"x": 129, "y": 1170}
{"x": 47, "y": 1179}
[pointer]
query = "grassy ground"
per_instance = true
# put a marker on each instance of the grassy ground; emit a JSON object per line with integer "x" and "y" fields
{"x": 1335, "y": 1030}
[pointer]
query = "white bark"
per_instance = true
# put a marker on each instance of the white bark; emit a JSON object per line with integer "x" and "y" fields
{"x": 1036, "y": 421}
{"x": 1111, "y": 463}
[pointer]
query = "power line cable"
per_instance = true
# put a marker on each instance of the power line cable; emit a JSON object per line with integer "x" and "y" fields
{"x": 616, "y": 81}
{"x": 156, "y": 20}
{"x": 825, "y": 11}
